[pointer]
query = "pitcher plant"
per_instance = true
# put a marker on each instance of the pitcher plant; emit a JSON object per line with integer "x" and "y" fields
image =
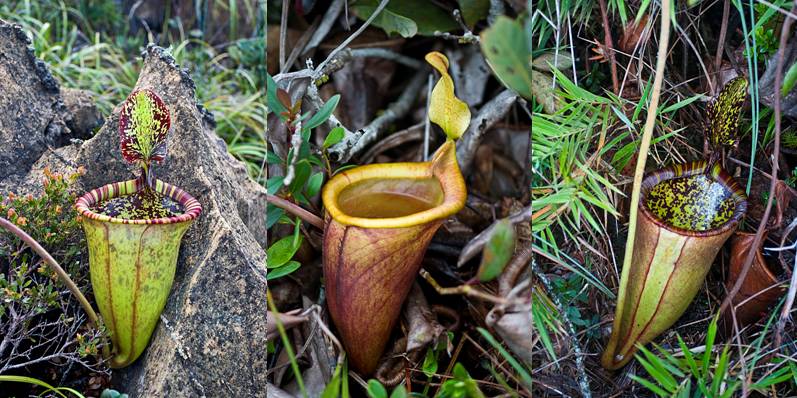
{"x": 760, "y": 289}
{"x": 687, "y": 212}
{"x": 134, "y": 229}
{"x": 379, "y": 220}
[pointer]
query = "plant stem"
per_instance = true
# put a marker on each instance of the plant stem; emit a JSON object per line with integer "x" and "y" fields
{"x": 33, "y": 244}
{"x": 94, "y": 320}
{"x": 462, "y": 289}
{"x": 784, "y": 35}
{"x": 287, "y": 343}
{"x": 650, "y": 121}
{"x": 296, "y": 210}
{"x": 609, "y": 46}
{"x": 726, "y": 9}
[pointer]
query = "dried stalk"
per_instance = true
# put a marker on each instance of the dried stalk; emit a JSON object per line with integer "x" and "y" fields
{"x": 784, "y": 34}
{"x": 644, "y": 147}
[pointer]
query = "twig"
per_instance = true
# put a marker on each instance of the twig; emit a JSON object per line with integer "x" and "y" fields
{"x": 784, "y": 33}
{"x": 344, "y": 56}
{"x": 382, "y": 5}
{"x": 726, "y": 9}
{"x": 287, "y": 344}
{"x": 412, "y": 133}
{"x": 513, "y": 270}
{"x": 33, "y": 244}
{"x": 333, "y": 65}
{"x": 609, "y": 46}
{"x": 488, "y": 115}
{"x": 354, "y": 143}
{"x": 326, "y": 25}
{"x": 283, "y": 33}
{"x": 466, "y": 290}
{"x": 496, "y": 9}
{"x": 387, "y": 54}
{"x": 465, "y": 38}
{"x": 748, "y": 262}
{"x": 296, "y": 210}
{"x": 296, "y": 144}
{"x": 300, "y": 45}
{"x": 583, "y": 381}
{"x": 642, "y": 157}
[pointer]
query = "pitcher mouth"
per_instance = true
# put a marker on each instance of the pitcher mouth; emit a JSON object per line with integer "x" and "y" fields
{"x": 84, "y": 204}
{"x": 733, "y": 193}
{"x": 437, "y": 186}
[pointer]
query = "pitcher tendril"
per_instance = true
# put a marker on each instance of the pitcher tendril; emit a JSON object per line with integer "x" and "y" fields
{"x": 143, "y": 125}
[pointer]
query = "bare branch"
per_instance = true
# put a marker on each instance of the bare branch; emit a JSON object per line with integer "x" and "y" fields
{"x": 351, "y": 38}
{"x": 330, "y": 17}
{"x": 355, "y": 142}
{"x": 488, "y": 115}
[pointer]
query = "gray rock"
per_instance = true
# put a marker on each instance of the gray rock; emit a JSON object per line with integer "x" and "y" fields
{"x": 85, "y": 115}
{"x": 33, "y": 117}
{"x": 211, "y": 340}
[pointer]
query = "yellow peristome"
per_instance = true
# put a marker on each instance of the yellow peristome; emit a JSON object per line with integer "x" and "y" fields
{"x": 445, "y": 109}
{"x": 443, "y": 167}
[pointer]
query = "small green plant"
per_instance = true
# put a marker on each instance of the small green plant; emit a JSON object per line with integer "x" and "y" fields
{"x": 461, "y": 386}
{"x": 33, "y": 292}
{"x": 766, "y": 31}
{"x": 704, "y": 375}
{"x": 281, "y": 252}
{"x": 377, "y": 390}
{"x": 300, "y": 183}
{"x": 571, "y": 291}
{"x": 338, "y": 385}
{"x": 111, "y": 393}
{"x": 791, "y": 180}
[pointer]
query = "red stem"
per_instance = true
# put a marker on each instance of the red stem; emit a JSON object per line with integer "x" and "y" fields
{"x": 296, "y": 210}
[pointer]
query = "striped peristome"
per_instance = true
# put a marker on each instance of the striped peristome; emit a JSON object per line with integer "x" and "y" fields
{"x": 724, "y": 111}
{"x": 84, "y": 205}
{"x": 143, "y": 124}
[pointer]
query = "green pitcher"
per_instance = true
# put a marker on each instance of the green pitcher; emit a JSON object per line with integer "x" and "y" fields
{"x": 132, "y": 263}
